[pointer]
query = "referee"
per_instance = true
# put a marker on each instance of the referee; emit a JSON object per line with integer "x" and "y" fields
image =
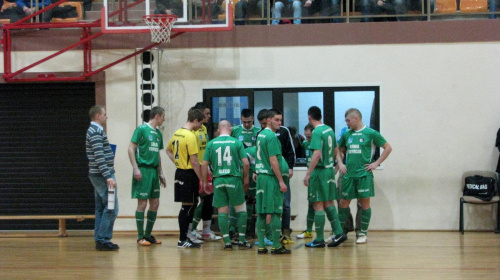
{"x": 182, "y": 149}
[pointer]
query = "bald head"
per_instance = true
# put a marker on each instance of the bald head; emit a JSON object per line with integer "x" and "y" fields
{"x": 225, "y": 127}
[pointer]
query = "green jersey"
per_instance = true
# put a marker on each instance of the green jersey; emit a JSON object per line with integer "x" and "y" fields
{"x": 308, "y": 152}
{"x": 267, "y": 145}
{"x": 224, "y": 154}
{"x": 251, "y": 153}
{"x": 360, "y": 148}
{"x": 149, "y": 143}
{"x": 247, "y": 136}
{"x": 323, "y": 138}
{"x": 284, "y": 169}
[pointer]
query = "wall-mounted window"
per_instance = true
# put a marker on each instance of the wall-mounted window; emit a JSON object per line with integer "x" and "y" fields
{"x": 226, "y": 104}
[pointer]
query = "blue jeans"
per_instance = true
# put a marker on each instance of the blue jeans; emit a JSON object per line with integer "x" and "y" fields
{"x": 297, "y": 11}
{"x": 104, "y": 218}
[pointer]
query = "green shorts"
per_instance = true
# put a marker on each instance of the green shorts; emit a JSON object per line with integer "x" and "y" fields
{"x": 252, "y": 188}
{"x": 228, "y": 190}
{"x": 269, "y": 197}
{"x": 322, "y": 185}
{"x": 149, "y": 186}
{"x": 358, "y": 187}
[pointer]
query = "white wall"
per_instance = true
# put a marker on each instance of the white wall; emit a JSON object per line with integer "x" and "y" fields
{"x": 438, "y": 111}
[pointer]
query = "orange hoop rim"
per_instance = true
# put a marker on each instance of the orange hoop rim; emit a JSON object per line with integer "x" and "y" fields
{"x": 160, "y": 18}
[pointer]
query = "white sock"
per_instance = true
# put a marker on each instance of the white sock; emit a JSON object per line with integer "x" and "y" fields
{"x": 206, "y": 227}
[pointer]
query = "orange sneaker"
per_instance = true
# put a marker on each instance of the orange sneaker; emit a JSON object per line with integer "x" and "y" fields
{"x": 143, "y": 242}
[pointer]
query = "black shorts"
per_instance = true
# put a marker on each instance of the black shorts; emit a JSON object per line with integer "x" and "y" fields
{"x": 186, "y": 186}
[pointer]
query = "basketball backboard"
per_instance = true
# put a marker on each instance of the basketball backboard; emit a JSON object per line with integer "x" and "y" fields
{"x": 125, "y": 16}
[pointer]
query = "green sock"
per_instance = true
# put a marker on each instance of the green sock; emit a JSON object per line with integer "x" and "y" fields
{"x": 150, "y": 223}
{"x": 319, "y": 221}
{"x": 261, "y": 229}
{"x": 233, "y": 221}
{"x": 310, "y": 218}
{"x": 333, "y": 217}
{"x": 196, "y": 217}
{"x": 366, "y": 215}
{"x": 343, "y": 214}
{"x": 242, "y": 225}
{"x": 224, "y": 227}
{"x": 269, "y": 234}
{"x": 276, "y": 230}
{"x": 139, "y": 221}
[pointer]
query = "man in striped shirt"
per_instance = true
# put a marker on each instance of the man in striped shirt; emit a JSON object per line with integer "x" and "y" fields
{"x": 102, "y": 175}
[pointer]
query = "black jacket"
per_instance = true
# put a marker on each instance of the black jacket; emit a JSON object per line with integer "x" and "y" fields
{"x": 287, "y": 149}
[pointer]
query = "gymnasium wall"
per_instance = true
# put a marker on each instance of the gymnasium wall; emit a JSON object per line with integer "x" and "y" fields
{"x": 438, "y": 110}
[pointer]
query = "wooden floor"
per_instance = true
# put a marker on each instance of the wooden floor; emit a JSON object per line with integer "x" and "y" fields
{"x": 388, "y": 255}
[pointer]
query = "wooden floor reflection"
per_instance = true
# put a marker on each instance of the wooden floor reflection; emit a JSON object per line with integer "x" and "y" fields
{"x": 387, "y": 255}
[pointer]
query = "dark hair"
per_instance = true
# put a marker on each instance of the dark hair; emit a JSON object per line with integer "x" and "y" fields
{"x": 246, "y": 113}
{"x": 272, "y": 112}
{"x": 195, "y": 114}
{"x": 262, "y": 114}
{"x": 315, "y": 113}
{"x": 157, "y": 110}
{"x": 200, "y": 106}
{"x": 309, "y": 127}
{"x": 97, "y": 109}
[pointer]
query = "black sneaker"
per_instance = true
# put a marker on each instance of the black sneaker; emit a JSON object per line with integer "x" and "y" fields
{"x": 151, "y": 239}
{"x": 337, "y": 240}
{"x": 262, "y": 251}
{"x": 188, "y": 244}
{"x": 244, "y": 245}
{"x": 228, "y": 247}
{"x": 280, "y": 251}
{"x": 108, "y": 246}
{"x": 316, "y": 244}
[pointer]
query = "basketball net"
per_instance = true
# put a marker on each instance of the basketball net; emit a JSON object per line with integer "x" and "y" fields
{"x": 160, "y": 26}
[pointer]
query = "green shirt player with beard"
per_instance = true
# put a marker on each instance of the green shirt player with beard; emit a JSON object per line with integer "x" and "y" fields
{"x": 358, "y": 144}
{"x": 270, "y": 183}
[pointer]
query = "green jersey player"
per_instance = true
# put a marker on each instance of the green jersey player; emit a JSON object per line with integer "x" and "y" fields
{"x": 358, "y": 144}
{"x": 227, "y": 158}
{"x": 270, "y": 183}
{"x": 320, "y": 180}
{"x": 246, "y": 132}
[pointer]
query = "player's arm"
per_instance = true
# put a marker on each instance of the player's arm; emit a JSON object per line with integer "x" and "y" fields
{"x": 163, "y": 181}
{"x": 276, "y": 169}
{"x": 246, "y": 168}
{"x": 387, "y": 150}
{"x": 314, "y": 161}
{"x": 170, "y": 154}
{"x": 339, "y": 155}
{"x": 196, "y": 165}
{"x": 132, "y": 148}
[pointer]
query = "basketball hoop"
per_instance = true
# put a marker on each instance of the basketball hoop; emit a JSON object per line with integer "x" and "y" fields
{"x": 160, "y": 26}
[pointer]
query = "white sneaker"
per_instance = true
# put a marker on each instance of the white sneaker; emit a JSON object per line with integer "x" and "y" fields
{"x": 361, "y": 239}
{"x": 196, "y": 234}
{"x": 195, "y": 240}
{"x": 210, "y": 237}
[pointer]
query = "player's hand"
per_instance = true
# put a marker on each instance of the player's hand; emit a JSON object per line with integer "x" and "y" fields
{"x": 137, "y": 174}
{"x": 283, "y": 187}
{"x": 342, "y": 168}
{"x": 290, "y": 173}
{"x": 254, "y": 177}
{"x": 111, "y": 183}
{"x": 163, "y": 181}
{"x": 370, "y": 167}
{"x": 306, "y": 180}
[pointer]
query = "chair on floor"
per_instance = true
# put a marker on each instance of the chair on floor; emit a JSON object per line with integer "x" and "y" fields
{"x": 476, "y": 201}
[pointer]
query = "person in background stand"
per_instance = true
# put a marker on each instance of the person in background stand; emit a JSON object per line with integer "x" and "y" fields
{"x": 102, "y": 175}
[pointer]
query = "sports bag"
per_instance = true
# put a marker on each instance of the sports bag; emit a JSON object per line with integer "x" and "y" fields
{"x": 480, "y": 187}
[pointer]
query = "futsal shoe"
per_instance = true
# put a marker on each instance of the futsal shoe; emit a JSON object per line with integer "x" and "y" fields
{"x": 362, "y": 239}
{"x": 244, "y": 245}
{"x": 280, "y": 251}
{"x": 305, "y": 234}
{"x": 316, "y": 244}
{"x": 143, "y": 242}
{"x": 262, "y": 251}
{"x": 337, "y": 240}
{"x": 228, "y": 247}
{"x": 151, "y": 239}
{"x": 195, "y": 233}
{"x": 188, "y": 244}
{"x": 210, "y": 237}
{"x": 267, "y": 242}
{"x": 108, "y": 246}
